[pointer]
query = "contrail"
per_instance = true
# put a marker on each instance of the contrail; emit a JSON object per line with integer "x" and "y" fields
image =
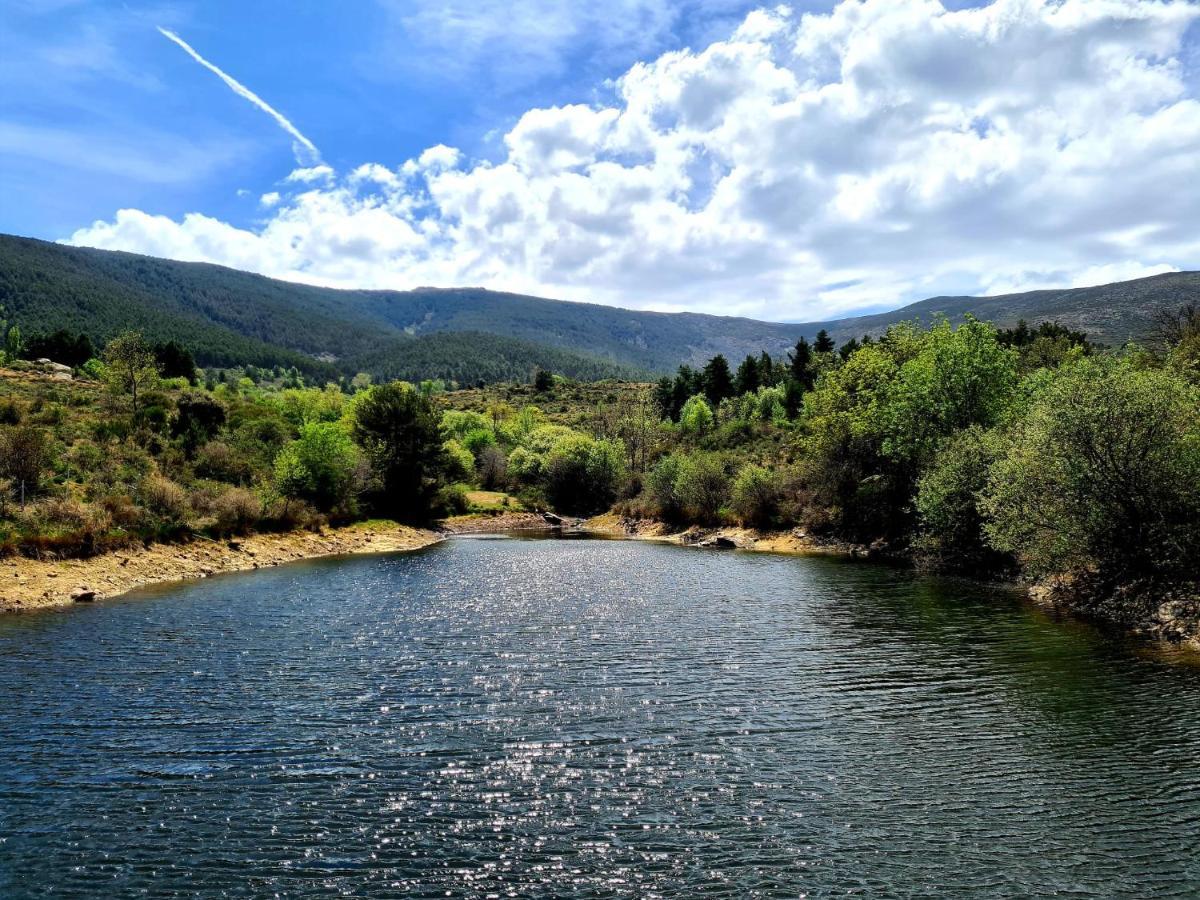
{"x": 242, "y": 91}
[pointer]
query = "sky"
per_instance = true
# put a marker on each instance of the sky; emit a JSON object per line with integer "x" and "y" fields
{"x": 782, "y": 162}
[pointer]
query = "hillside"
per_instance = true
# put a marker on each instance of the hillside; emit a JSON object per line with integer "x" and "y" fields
{"x": 228, "y": 317}
{"x": 1110, "y": 314}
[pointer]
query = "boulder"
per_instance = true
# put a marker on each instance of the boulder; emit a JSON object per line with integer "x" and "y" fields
{"x": 552, "y": 519}
{"x": 720, "y": 542}
{"x": 83, "y": 594}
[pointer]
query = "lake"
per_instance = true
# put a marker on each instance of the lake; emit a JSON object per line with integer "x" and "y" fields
{"x": 589, "y": 718}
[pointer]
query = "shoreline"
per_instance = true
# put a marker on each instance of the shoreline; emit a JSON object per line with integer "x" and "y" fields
{"x": 1174, "y": 624}
{"x": 32, "y": 584}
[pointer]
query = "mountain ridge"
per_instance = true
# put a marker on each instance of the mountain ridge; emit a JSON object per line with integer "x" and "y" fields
{"x": 230, "y": 316}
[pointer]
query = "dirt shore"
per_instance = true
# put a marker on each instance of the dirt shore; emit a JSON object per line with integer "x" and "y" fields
{"x": 726, "y": 537}
{"x": 27, "y": 584}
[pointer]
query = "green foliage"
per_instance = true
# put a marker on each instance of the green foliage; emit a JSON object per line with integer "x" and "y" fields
{"x": 319, "y": 466}
{"x": 399, "y": 429}
{"x": 582, "y": 474}
{"x": 61, "y": 347}
{"x": 756, "y": 496}
{"x": 130, "y": 367}
{"x": 661, "y": 488}
{"x": 696, "y": 417}
{"x": 702, "y": 486}
{"x": 1102, "y": 476}
{"x": 948, "y": 503}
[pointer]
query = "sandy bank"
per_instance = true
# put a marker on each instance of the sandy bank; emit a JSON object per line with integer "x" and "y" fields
{"x": 484, "y": 523}
{"x": 725, "y": 537}
{"x": 27, "y": 584}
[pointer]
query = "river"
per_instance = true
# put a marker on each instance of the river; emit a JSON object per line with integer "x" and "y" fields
{"x": 591, "y": 718}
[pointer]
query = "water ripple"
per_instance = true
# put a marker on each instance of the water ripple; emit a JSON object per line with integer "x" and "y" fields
{"x": 517, "y": 718}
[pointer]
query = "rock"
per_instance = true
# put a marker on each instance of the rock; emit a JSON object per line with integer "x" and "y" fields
{"x": 83, "y": 594}
{"x": 720, "y": 542}
{"x": 234, "y": 545}
{"x": 552, "y": 519}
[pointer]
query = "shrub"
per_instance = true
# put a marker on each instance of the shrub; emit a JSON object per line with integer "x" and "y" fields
{"x": 451, "y": 500}
{"x": 951, "y": 535}
{"x": 702, "y": 486}
{"x": 165, "y": 498}
{"x": 661, "y": 488}
{"x": 493, "y": 468}
{"x": 1102, "y": 477}
{"x": 756, "y": 496}
{"x": 235, "y": 511}
{"x": 220, "y": 462}
{"x": 319, "y": 466}
{"x": 696, "y": 417}
{"x": 582, "y": 474}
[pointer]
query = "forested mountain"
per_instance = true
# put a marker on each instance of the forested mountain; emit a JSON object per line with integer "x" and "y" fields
{"x": 229, "y": 317}
{"x": 1110, "y": 314}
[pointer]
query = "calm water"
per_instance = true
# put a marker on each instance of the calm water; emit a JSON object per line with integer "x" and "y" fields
{"x": 501, "y": 717}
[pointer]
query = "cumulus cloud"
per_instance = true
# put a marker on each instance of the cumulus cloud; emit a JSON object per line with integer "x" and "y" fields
{"x": 805, "y": 166}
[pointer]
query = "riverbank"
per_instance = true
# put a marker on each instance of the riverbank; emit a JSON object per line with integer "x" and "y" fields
{"x": 27, "y": 584}
{"x": 725, "y": 537}
{"x": 1174, "y": 621}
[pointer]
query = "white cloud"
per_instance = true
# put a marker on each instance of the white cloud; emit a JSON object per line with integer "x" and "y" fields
{"x": 805, "y": 166}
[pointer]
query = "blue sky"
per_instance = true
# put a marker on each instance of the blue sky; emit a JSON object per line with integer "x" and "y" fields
{"x": 612, "y": 152}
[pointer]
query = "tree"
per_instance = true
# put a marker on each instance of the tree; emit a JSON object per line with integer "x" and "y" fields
{"x": 702, "y": 486}
{"x": 663, "y": 398}
{"x": 824, "y": 343}
{"x": 582, "y": 474}
{"x": 130, "y": 367}
{"x": 756, "y": 496}
{"x": 61, "y": 347}
{"x": 1101, "y": 477}
{"x": 696, "y": 417}
{"x": 718, "y": 382}
{"x": 543, "y": 381}
{"x": 175, "y": 361}
{"x": 747, "y": 376}
{"x": 848, "y": 348}
{"x": 398, "y": 427}
{"x": 800, "y": 365}
{"x": 318, "y": 466}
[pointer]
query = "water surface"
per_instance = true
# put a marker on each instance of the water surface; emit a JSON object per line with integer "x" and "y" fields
{"x": 502, "y": 717}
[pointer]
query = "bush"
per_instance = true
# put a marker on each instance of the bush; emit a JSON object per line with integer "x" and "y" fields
{"x": 951, "y": 534}
{"x": 220, "y": 462}
{"x": 451, "y": 500}
{"x": 493, "y": 468}
{"x": 165, "y": 498}
{"x": 1102, "y": 477}
{"x": 696, "y": 417}
{"x": 756, "y": 497}
{"x": 702, "y": 486}
{"x": 319, "y": 466}
{"x": 582, "y": 474}
{"x": 661, "y": 488}
{"x": 236, "y": 511}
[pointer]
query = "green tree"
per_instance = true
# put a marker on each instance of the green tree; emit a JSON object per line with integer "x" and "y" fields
{"x": 756, "y": 496}
{"x": 582, "y": 475}
{"x": 747, "y": 376}
{"x": 824, "y": 343}
{"x": 696, "y": 417}
{"x": 399, "y": 428}
{"x": 703, "y": 486}
{"x": 130, "y": 367}
{"x": 718, "y": 382}
{"x": 543, "y": 381}
{"x": 1101, "y": 478}
{"x": 801, "y": 364}
{"x": 319, "y": 466}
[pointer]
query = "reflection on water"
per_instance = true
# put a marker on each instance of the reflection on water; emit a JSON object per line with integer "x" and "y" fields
{"x": 589, "y": 718}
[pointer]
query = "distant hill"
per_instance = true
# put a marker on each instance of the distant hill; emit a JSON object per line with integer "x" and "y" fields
{"x": 1110, "y": 314}
{"x": 230, "y": 317}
